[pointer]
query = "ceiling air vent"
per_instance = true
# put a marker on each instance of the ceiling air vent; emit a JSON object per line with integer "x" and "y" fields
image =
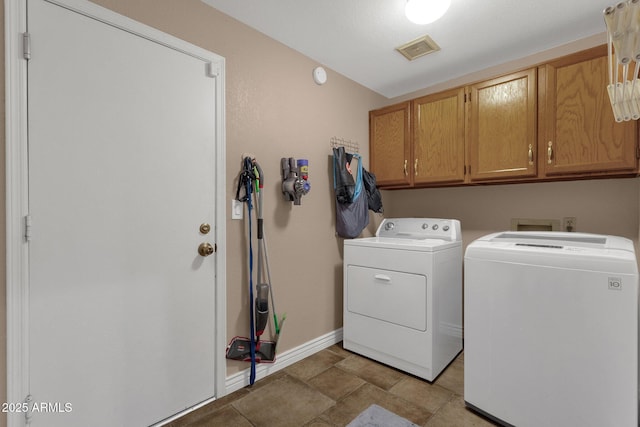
{"x": 418, "y": 47}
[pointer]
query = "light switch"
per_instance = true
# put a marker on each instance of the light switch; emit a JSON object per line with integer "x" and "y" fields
{"x": 237, "y": 209}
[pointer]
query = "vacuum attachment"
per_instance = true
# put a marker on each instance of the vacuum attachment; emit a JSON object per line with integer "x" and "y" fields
{"x": 295, "y": 179}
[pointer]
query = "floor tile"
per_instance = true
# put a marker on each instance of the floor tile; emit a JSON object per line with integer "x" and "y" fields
{"x": 266, "y": 381}
{"x": 313, "y": 365}
{"x": 336, "y": 383}
{"x": 319, "y": 423}
{"x": 332, "y": 387}
{"x": 452, "y": 378}
{"x": 337, "y": 349}
{"x": 208, "y": 409}
{"x": 285, "y": 402}
{"x": 371, "y": 371}
{"x": 454, "y": 413}
{"x": 227, "y": 417}
{"x": 422, "y": 393}
{"x": 350, "y": 407}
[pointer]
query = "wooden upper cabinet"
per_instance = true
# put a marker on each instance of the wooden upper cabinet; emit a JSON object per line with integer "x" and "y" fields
{"x": 502, "y": 127}
{"x": 578, "y": 134}
{"x": 390, "y": 145}
{"x": 550, "y": 122}
{"x": 438, "y": 138}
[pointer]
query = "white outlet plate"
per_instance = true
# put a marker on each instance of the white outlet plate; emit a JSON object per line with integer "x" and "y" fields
{"x": 237, "y": 209}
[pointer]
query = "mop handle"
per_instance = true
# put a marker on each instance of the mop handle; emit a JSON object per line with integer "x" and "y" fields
{"x": 252, "y": 375}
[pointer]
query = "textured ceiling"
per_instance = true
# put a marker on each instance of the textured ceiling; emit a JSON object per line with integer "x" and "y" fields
{"x": 357, "y": 38}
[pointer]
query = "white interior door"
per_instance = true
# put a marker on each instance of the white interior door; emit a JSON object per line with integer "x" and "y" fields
{"x": 121, "y": 172}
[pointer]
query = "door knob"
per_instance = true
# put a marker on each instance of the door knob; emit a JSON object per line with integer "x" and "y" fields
{"x": 205, "y": 249}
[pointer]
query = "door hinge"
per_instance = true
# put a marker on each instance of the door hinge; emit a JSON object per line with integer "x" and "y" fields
{"x": 27, "y": 228}
{"x": 26, "y": 46}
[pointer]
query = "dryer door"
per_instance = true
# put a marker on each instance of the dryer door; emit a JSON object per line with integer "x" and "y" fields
{"x": 387, "y": 295}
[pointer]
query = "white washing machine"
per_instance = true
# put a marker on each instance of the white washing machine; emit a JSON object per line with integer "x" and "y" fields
{"x": 551, "y": 329}
{"x": 403, "y": 294}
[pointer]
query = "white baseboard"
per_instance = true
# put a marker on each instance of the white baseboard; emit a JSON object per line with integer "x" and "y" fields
{"x": 241, "y": 379}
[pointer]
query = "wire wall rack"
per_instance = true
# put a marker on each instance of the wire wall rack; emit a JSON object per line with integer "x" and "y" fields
{"x": 349, "y": 146}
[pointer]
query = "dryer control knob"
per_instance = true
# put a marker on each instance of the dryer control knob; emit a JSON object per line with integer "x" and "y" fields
{"x": 425, "y": 226}
{"x": 445, "y": 228}
{"x": 435, "y": 227}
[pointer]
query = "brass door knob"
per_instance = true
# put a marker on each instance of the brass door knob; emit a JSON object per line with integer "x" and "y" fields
{"x": 205, "y": 249}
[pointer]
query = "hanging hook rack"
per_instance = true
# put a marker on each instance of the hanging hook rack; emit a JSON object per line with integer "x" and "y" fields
{"x": 349, "y": 146}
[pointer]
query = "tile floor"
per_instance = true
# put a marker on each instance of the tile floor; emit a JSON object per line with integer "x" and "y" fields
{"x": 331, "y": 387}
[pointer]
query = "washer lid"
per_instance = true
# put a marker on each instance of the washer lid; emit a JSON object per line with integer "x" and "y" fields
{"x": 556, "y": 249}
{"x": 554, "y": 240}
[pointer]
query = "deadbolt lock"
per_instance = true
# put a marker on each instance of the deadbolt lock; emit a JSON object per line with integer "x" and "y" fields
{"x": 205, "y": 228}
{"x": 206, "y": 249}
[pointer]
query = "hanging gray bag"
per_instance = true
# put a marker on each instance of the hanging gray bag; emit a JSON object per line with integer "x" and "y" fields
{"x": 351, "y": 217}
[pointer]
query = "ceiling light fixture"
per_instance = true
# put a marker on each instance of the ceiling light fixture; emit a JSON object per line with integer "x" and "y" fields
{"x": 423, "y": 12}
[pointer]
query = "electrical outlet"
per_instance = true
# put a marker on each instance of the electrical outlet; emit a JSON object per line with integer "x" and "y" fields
{"x": 569, "y": 223}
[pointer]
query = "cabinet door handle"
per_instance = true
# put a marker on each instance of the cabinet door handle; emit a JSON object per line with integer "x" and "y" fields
{"x": 415, "y": 167}
{"x": 405, "y": 168}
{"x": 382, "y": 278}
{"x": 549, "y": 152}
{"x": 530, "y": 154}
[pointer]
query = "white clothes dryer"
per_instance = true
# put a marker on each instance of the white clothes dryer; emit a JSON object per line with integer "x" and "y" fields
{"x": 551, "y": 329}
{"x": 403, "y": 294}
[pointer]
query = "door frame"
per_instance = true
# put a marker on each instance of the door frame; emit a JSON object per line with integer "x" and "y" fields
{"x": 17, "y": 184}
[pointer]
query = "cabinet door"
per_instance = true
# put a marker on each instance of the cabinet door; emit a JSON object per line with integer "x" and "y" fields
{"x": 389, "y": 145}
{"x": 580, "y": 133}
{"x": 438, "y": 143}
{"x": 502, "y": 137}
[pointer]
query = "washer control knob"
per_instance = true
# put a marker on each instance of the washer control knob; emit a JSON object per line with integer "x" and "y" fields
{"x": 425, "y": 226}
{"x": 445, "y": 228}
{"x": 435, "y": 227}
{"x": 389, "y": 226}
